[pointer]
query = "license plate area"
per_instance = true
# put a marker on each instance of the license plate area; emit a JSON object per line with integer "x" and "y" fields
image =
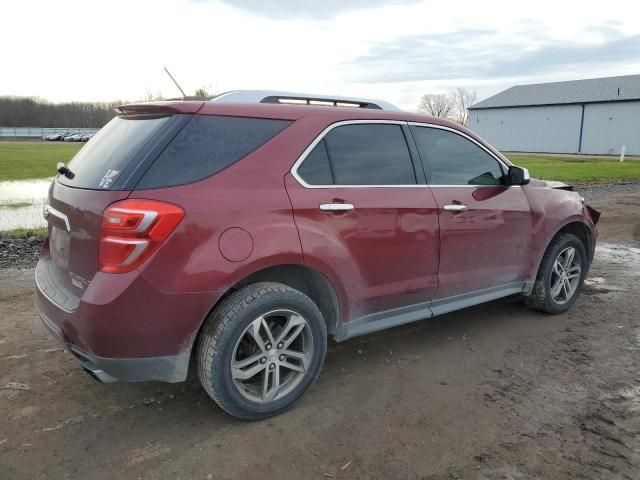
{"x": 59, "y": 241}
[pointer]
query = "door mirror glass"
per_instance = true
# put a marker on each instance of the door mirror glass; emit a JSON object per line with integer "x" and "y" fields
{"x": 517, "y": 176}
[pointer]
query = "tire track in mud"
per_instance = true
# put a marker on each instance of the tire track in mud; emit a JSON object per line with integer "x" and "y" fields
{"x": 561, "y": 417}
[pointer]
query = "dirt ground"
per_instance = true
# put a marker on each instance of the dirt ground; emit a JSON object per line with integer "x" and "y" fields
{"x": 494, "y": 391}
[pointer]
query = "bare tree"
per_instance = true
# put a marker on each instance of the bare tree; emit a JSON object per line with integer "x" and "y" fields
{"x": 463, "y": 99}
{"x": 439, "y": 105}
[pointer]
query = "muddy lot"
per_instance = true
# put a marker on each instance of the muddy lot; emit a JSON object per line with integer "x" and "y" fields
{"x": 494, "y": 391}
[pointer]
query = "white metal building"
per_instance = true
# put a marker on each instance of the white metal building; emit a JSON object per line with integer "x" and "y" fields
{"x": 595, "y": 116}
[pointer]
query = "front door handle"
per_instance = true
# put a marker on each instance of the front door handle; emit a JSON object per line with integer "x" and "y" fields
{"x": 336, "y": 207}
{"x": 456, "y": 208}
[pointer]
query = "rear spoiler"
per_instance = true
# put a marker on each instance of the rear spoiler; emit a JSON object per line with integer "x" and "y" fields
{"x": 159, "y": 108}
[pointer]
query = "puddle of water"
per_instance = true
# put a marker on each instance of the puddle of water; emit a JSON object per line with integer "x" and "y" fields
{"x": 23, "y": 217}
{"x": 33, "y": 192}
{"x": 619, "y": 253}
{"x": 29, "y": 191}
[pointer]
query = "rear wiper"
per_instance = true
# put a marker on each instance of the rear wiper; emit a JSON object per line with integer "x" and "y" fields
{"x": 64, "y": 170}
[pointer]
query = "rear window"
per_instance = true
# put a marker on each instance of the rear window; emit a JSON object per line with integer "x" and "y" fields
{"x": 207, "y": 145}
{"x": 101, "y": 161}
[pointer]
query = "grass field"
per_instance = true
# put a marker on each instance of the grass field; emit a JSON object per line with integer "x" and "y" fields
{"x": 578, "y": 169}
{"x": 26, "y": 160}
{"x": 23, "y": 160}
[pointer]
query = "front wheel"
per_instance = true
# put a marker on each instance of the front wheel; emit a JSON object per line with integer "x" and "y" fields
{"x": 260, "y": 349}
{"x": 560, "y": 277}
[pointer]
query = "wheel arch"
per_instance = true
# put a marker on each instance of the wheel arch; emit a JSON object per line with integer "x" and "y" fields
{"x": 305, "y": 279}
{"x": 580, "y": 230}
{"x": 301, "y": 277}
{"x": 575, "y": 227}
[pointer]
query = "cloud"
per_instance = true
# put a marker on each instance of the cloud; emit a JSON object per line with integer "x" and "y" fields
{"x": 308, "y": 9}
{"x": 484, "y": 54}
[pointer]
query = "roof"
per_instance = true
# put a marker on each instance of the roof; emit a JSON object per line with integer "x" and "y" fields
{"x": 274, "y": 96}
{"x": 609, "y": 89}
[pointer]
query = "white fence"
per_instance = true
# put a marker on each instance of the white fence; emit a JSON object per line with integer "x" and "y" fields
{"x": 40, "y": 132}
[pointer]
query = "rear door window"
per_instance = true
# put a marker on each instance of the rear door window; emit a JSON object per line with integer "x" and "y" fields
{"x": 360, "y": 154}
{"x": 207, "y": 145}
{"x": 103, "y": 159}
{"x": 370, "y": 154}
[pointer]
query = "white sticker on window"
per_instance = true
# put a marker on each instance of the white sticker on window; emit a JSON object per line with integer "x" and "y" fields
{"x": 108, "y": 178}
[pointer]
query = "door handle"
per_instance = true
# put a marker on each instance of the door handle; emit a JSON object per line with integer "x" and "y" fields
{"x": 336, "y": 207}
{"x": 456, "y": 208}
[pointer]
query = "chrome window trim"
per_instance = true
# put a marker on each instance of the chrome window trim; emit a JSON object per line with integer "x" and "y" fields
{"x": 321, "y": 135}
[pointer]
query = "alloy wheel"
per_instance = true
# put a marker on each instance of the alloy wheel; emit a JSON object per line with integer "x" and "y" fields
{"x": 272, "y": 356}
{"x": 565, "y": 275}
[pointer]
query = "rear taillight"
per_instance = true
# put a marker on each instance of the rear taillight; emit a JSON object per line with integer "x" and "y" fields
{"x": 132, "y": 230}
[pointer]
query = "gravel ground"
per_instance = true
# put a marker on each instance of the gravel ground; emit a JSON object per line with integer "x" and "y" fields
{"x": 490, "y": 392}
{"x": 595, "y": 192}
{"x": 19, "y": 253}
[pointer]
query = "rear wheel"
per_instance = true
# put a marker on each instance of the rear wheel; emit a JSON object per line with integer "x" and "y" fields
{"x": 260, "y": 349}
{"x": 560, "y": 276}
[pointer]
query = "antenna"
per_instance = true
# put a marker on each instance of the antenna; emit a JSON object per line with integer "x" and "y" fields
{"x": 174, "y": 81}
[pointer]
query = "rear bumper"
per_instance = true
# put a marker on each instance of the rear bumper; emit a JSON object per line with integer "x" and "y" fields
{"x": 122, "y": 327}
{"x": 108, "y": 370}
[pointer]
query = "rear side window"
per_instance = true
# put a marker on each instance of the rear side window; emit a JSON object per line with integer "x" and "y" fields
{"x": 455, "y": 160}
{"x": 101, "y": 161}
{"x": 360, "y": 154}
{"x": 316, "y": 169}
{"x": 207, "y": 145}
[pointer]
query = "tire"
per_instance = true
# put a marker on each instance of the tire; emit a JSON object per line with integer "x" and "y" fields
{"x": 229, "y": 348}
{"x": 542, "y": 296}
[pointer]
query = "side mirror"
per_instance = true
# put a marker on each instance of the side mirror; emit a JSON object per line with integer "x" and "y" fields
{"x": 517, "y": 176}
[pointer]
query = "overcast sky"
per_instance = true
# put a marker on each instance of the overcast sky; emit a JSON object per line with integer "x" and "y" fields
{"x": 391, "y": 49}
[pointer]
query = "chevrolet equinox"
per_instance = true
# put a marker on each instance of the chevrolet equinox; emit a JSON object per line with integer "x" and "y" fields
{"x": 233, "y": 236}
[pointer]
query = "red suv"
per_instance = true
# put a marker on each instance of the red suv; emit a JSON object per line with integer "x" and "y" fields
{"x": 235, "y": 235}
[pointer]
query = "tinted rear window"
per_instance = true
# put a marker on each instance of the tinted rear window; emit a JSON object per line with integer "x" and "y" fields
{"x": 207, "y": 145}
{"x": 101, "y": 161}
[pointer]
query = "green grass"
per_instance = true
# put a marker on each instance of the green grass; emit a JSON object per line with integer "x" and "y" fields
{"x": 22, "y": 233}
{"x": 16, "y": 205}
{"x": 579, "y": 169}
{"x": 26, "y": 160}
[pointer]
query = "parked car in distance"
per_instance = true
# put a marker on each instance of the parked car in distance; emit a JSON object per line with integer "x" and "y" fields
{"x": 53, "y": 137}
{"x": 235, "y": 235}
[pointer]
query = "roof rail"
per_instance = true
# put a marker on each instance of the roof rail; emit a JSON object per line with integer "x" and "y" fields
{"x": 292, "y": 98}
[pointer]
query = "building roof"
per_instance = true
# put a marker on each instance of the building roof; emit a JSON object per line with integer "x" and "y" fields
{"x": 609, "y": 89}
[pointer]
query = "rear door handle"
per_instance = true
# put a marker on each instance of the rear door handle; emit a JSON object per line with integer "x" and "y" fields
{"x": 456, "y": 208}
{"x": 336, "y": 207}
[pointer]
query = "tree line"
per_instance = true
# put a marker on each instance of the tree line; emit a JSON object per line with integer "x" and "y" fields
{"x": 36, "y": 112}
